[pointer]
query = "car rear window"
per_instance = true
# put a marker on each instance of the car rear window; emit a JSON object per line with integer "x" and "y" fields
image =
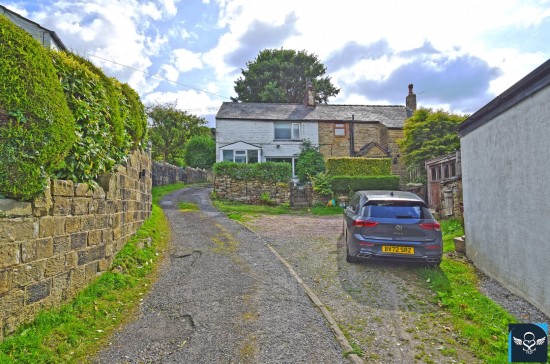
{"x": 396, "y": 210}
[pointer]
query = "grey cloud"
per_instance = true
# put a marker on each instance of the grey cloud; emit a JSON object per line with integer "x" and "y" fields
{"x": 353, "y": 52}
{"x": 425, "y": 49}
{"x": 260, "y": 36}
{"x": 462, "y": 82}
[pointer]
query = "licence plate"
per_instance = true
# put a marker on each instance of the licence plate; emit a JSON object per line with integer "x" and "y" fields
{"x": 397, "y": 249}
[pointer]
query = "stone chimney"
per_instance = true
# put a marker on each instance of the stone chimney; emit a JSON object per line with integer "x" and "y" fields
{"x": 309, "y": 99}
{"x": 410, "y": 101}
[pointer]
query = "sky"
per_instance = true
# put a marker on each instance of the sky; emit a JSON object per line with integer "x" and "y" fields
{"x": 458, "y": 54}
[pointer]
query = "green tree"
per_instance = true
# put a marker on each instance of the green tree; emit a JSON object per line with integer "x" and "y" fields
{"x": 429, "y": 134}
{"x": 310, "y": 162}
{"x": 280, "y": 75}
{"x": 169, "y": 130}
{"x": 200, "y": 152}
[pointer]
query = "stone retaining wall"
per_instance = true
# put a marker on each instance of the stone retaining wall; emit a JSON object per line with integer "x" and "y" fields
{"x": 166, "y": 174}
{"x": 51, "y": 248}
{"x": 250, "y": 192}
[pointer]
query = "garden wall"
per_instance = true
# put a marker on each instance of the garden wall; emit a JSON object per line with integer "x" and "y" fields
{"x": 250, "y": 192}
{"x": 51, "y": 248}
{"x": 167, "y": 174}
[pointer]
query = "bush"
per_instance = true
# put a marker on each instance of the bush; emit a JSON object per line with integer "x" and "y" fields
{"x": 112, "y": 96}
{"x": 135, "y": 118}
{"x": 321, "y": 184}
{"x": 310, "y": 162}
{"x": 95, "y": 150}
{"x": 200, "y": 152}
{"x": 36, "y": 126}
{"x": 346, "y": 184}
{"x": 268, "y": 171}
{"x": 355, "y": 166}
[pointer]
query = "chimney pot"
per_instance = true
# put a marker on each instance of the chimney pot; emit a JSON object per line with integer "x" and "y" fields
{"x": 410, "y": 100}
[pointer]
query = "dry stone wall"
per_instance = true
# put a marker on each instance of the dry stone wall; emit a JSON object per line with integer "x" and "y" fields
{"x": 250, "y": 192}
{"x": 51, "y": 248}
{"x": 166, "y": 174}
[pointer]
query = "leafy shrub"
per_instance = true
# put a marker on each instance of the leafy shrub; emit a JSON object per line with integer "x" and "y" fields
{"x": 135, "y": 118}
{"x": 112, "y": 96}
{"x": 346, "y": 184}
{"x": 310, "y": 162}
{"x": 321, "y": 184}
{"x": 268, "y": 171}
{"x": 36, "y": 126}
{"x": 200, "y": 152}
{"x": 94, "y": 151}
{"x": 354, "y": 166}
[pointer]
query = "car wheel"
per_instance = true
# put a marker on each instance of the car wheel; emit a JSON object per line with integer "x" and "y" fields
{"x": 350, "y": 258}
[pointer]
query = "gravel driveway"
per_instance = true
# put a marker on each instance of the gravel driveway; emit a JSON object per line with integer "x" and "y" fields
{"x": 222, "y": 297}
{"x": 383, "y": 307}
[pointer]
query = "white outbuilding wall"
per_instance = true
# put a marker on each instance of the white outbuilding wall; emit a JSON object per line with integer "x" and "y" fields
{"x": 506, "y": 180}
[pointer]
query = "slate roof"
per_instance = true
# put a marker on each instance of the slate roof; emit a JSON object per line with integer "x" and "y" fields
{"x": 391, "y": 116}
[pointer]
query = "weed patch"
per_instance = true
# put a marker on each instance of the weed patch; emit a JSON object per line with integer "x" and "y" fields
{"x": 187, "y": 207}
{"x": 479, "y": 321}
{"x": 244, "y": 212}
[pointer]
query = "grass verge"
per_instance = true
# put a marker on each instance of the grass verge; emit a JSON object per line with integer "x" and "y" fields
{"x": 80, "y": 328}
{"x": 243, "y": 212}
{"x": 481, "y": 323}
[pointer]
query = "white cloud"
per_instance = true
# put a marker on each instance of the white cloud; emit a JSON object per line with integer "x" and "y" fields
{"x": 185, "y": 60}
{"x": 170, "y": 72}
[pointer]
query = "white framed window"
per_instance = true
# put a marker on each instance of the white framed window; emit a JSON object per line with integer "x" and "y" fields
{"x": 290, "y": 160}
{"x": 240, "y": 156}
{"x": 287, "y": 131}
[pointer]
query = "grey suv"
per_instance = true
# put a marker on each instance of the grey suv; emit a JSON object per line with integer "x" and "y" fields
{"x": 393, "y": 225}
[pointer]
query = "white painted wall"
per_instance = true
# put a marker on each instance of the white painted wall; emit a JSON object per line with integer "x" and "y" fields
{"x": 37, "y": 33}
{"x": 506, "y": 176}
{"x": 261, "y": 133}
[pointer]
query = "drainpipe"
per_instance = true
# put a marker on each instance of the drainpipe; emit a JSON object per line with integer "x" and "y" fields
{"x": 351, "y": 137}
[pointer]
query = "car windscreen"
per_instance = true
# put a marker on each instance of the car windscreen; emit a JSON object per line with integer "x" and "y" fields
{"x": 396, "y": 210}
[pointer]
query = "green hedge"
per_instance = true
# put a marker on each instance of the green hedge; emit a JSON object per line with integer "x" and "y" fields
{"x": 268, "y": 171}
{"x": 36, "y": 126}
{"x": 134, "y": 116}
{"x": 42, "y": 94}
{"x": 346, "y": 184}
{"x": 90, "y": 99}
{"x": 356, "y": 166}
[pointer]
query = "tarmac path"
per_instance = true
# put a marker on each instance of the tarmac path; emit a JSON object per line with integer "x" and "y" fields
{"x": 222, "y": 297}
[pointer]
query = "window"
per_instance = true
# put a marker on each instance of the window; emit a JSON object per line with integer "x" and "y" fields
{"x": 228, "y": 156}
{"x": 240, "y": 156}
{"x": 339, "y": 129}
{"x": 396, "y": 210}
{"x": 434, "y": 174}
{"x": 445, "y": 171}
{"x": 287, "y": 131}
{"x": 290, "y": 160}
{"x": 252, "y": 156}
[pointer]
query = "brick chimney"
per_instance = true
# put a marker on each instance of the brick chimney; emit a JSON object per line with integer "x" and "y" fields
{"x": 309, "y": 99}
{"x": 410, "y": 101}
